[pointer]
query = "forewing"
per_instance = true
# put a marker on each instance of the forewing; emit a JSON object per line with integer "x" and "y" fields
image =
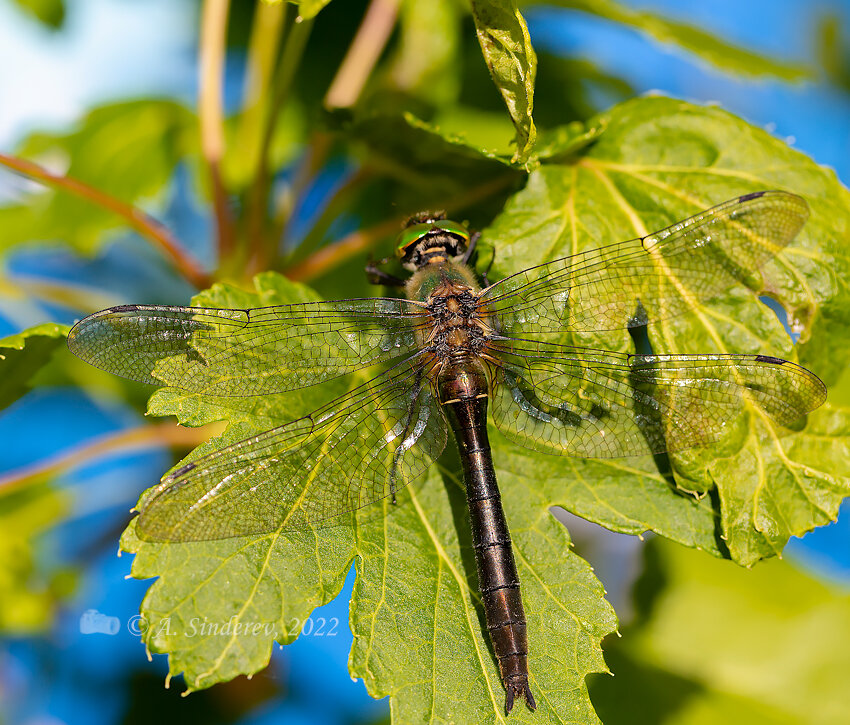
{"x": 239, "y": 352}
{"x": 668, "y": 272}
{"x": 596, "y": 404}
{"x": 358, "y": 449}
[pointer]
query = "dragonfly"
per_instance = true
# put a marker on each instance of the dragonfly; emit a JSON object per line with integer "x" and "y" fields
{"x": 443, "y": 357}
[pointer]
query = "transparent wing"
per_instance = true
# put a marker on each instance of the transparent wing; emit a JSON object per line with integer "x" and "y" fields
{"x": 360, "y": 448}
{"x": 233, "y": 352}
{"x": 668, "y": 271}
{"x": 596, "y": 404}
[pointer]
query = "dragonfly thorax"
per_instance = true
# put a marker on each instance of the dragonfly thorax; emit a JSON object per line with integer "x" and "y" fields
{"x": 455, "y": 330}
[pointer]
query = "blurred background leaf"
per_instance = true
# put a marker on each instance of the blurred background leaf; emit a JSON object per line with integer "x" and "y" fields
{"x": 131, "y": 149}
{"x": 833, "y": 50}
{"x": 49, "y": 12}
{"x": 711, "y": 642}
{"x": 22, "y": 356}
{"x": 31, "y": 590}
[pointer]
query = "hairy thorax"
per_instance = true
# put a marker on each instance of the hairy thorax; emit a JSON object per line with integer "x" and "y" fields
{"x": 453, "y": 333}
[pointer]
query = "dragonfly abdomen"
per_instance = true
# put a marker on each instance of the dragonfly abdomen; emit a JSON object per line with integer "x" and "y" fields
{"x": 464, "y": 394}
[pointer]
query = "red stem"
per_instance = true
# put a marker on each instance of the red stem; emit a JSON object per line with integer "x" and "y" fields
{"x": 143, "y": 223}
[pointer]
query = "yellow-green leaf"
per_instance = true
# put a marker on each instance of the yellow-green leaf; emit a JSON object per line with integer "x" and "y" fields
{"x": 415, "y": 612}
{"x": 714, "y": 643}
{"x": 23, "y": 355}
{"x": 506, "y": 45}
{"x": 658, "y": 161}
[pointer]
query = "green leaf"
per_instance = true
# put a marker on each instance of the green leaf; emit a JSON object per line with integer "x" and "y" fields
{"x": 641, "y": 166}
{"x": 707, "y": 47}
{"x": 129, "y": 150}
{"x": 507, "y": 50}
{"x": 415, "y": 613}
{"x": 417, "y": 623}
{"x": 563, "y": 143}
{"x": 23, "y": 355}
{"x": 659, "y": 161}
{"x": 722, "y": 644}
{"x": 433, "y": 165}
{"x": 50, "y": 12}
{"x": 431, "y": 152}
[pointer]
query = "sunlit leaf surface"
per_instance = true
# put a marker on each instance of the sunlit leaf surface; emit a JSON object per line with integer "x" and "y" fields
{"x": 417, "y": 625}
{"x": 661, "y": 160}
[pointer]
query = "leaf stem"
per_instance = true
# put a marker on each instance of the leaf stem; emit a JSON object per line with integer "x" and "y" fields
{"x": 335, "y": 254}
{"x": 318, "y": 148}
{"x": 143, "y": 223}
{"x": 365, "y": 49}
{"x": 266, "y": 246}
{"x": 339, "y": 252}
{"x": 210, "y": 110}
{"x": 125, "y": 441}
{"x": 333, "y": 207}
{"x": 266, "y": 31}
{"x": 363, "y": 53}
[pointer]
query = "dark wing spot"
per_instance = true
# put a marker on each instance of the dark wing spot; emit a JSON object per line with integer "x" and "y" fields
{"x": 180, "y": 471}
{"x": 124, "y": 308}
{"x": 753, "y": 195}
{"x": 770, "y": 359}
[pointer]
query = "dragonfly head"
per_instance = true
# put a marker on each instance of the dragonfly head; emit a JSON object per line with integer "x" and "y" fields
{"x": 430, "y": 238}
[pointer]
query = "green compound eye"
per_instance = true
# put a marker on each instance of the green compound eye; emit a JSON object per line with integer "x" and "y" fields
{"x": 410, "y": 236}
{"x": 447, "y": 225}
{"x": 413, "y": 234}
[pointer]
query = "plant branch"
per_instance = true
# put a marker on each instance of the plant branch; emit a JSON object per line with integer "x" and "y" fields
{"x": 365, "y": 49}
{"x": 143, "y": 223}
{"x": 339, "y": 252}
{"x": 125, "y": 441}
{"x": 318, "y": 148}
{"x": 211, "y": 113}
{"x": 293, "y": 51}
{"x": 334, "y": 206}
{"x": 363, "y": 53}
{"x": 335, "y": 254}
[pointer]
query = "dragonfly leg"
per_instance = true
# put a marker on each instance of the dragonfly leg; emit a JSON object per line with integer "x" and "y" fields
{"x": 473, "y": 244}
{"x": 376, "y": 275}
{"x": 408, "y": 426}
{"x": 470, "y": 250}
